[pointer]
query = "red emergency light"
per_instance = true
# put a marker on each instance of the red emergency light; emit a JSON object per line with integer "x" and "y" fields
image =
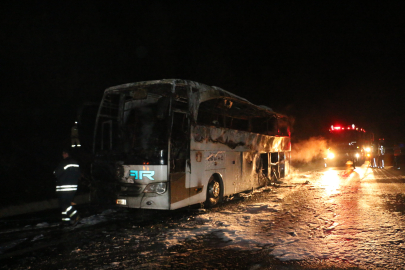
{"x": 352, "y": 127}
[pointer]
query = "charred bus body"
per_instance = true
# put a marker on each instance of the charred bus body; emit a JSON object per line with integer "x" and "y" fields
{"x": 348, "y": 143}
{"x": 167, "y": 144}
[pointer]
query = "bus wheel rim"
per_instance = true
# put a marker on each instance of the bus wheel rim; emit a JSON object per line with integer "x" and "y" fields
{"x": 215, "y": 189}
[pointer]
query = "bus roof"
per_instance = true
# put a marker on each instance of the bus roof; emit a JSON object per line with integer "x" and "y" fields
{"x": 205, "y": 92}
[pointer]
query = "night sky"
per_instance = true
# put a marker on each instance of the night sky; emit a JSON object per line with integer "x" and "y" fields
{"x": 319, "y": 62}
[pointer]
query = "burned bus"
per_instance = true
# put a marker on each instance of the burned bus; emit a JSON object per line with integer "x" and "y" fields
{"x": 167, "y": 144}
{"x": 348, "y": 143}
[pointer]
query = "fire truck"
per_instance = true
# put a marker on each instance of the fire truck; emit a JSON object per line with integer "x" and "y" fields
{"x": 349, "y": 143}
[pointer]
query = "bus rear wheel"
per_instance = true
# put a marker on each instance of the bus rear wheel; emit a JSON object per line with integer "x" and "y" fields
{"x": 214, "y": 192}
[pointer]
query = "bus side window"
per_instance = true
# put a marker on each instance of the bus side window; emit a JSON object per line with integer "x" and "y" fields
{"x": 238, "y": 124}
{"x": 179, "y": 142}
{"x": 210, "y": 115}
{"x": 282, "y": 127}
{"x": 259, "y": 125}
{"x": 272, "y": 126}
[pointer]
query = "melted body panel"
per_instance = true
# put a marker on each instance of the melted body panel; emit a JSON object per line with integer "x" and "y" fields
{"x": 237, "y": 159}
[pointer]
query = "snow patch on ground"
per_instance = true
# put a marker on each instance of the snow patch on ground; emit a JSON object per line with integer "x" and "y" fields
{"x": 95, "y": 219}
{"x": 92, "y": 220}
{"x": 238, "y": 230}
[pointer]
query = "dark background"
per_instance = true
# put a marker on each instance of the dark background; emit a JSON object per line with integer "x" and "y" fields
{"x": 322, "y": 63}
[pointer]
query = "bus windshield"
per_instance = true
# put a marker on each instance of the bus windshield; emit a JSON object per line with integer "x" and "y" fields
{"x": 134, "y": 124}
{"x": 145, "y": 127}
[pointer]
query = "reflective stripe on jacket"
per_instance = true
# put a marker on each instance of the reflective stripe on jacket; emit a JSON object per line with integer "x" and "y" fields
{"x": 66, "y": 188}
{"x": 67, "y": 175}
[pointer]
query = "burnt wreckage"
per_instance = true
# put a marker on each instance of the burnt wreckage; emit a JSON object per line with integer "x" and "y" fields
{"x": 166, "y": 144}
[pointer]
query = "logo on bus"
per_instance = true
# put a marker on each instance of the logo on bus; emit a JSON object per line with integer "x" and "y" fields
{"x": 141, "y": 174}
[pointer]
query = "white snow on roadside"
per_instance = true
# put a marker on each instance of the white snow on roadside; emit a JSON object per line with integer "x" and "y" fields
{"x": 92, "y": 220}
{"x": 43, "y": 224}
{"x": 95, "y": 219}
{"x": 38, "y": 237}
{"x": 242, "y": 229}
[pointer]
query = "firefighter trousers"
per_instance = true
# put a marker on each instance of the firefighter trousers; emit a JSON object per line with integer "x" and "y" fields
{"x": 68, "y": 211}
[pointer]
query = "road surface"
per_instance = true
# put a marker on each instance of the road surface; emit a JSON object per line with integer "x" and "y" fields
{"x": 317, "y": 219}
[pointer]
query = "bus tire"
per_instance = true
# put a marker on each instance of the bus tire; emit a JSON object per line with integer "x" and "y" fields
{"x": 214, "y": 191}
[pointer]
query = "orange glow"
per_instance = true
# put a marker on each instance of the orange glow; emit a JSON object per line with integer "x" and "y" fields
{"x": 331, "y": 155}
{"x": 331, "y": 182}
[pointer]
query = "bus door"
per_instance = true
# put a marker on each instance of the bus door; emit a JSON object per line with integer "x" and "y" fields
{"x": 275, "y": 172}
{"x": 281, "y": 164}
{"x": 264, "y": 169}
{"x": 233, "y": 181}
{"x": 249, "y": 170}
{"x": 179, "y": 148}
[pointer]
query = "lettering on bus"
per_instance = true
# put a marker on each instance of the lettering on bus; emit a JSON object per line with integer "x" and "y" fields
{"x": 141, "y": 174}
{"x": 216, "y": 157}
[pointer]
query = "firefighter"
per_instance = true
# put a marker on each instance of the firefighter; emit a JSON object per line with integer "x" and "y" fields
{"x": 397, "y": 154}
{"x": 67, "y": 177}
{"x": 381, "y": 152}
{"x": 373, "y": 153}
{"x": 75, "y": 136}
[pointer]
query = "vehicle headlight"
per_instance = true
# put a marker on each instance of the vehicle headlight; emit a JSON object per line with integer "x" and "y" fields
{"x": 368, "y": 149}
{"x": 158, "y": 188}
{"x": 331, "y": 155}
{"x": 121, "y": 201}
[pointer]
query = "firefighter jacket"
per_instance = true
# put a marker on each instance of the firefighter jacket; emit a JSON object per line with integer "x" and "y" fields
{"x": 381, "y": 151}
{"x": 67, "y": 175}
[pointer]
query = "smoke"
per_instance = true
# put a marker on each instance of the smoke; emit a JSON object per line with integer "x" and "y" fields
{"x": 309, "y": 150}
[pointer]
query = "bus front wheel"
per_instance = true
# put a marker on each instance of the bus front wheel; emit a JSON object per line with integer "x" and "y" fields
{"x": 214, "y": 191}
